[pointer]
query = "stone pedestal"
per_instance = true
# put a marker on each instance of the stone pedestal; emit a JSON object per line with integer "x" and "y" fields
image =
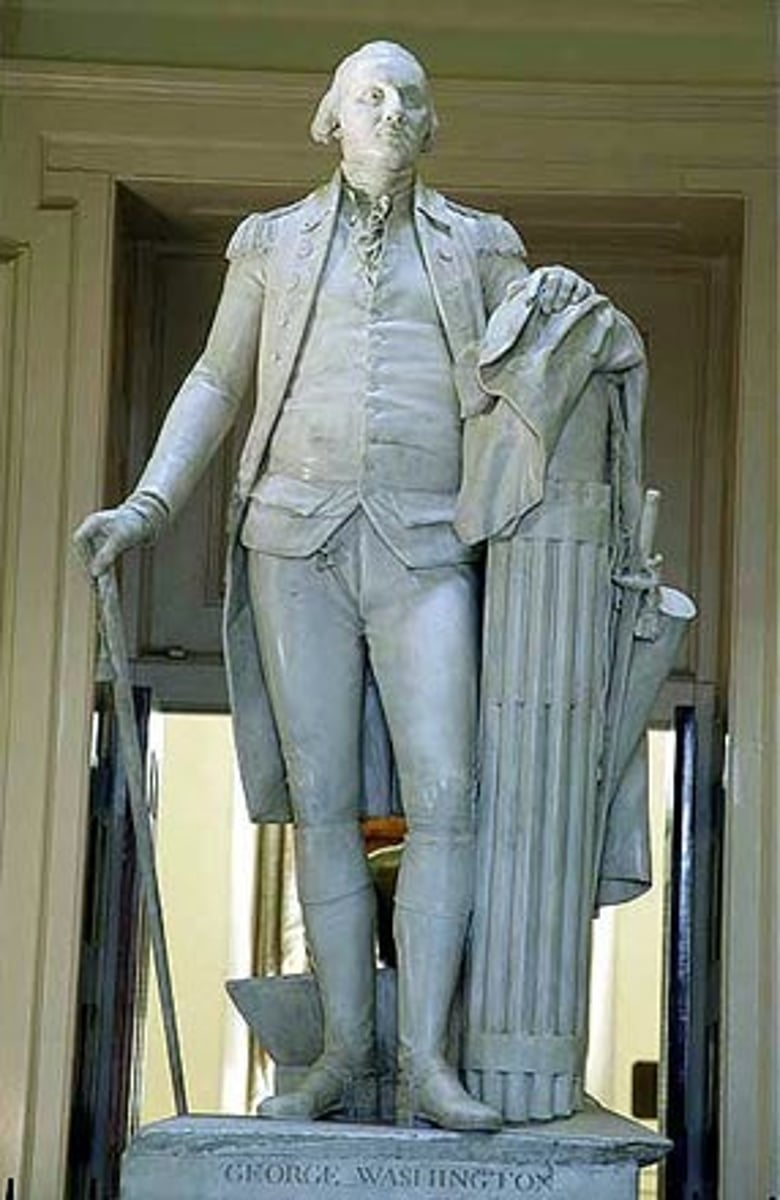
{"x": 592, "y": 1155}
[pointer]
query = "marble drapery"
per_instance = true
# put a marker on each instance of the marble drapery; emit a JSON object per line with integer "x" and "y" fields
{"x": 552, "y": 481}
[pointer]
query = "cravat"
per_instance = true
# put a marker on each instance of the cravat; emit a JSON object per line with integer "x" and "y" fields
{"x": 370, "y": 236}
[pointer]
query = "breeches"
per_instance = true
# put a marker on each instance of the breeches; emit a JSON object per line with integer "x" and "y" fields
{"x": 318, "y": 620}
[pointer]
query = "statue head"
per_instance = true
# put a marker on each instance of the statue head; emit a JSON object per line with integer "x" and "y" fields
{"x": 378, "y": 106}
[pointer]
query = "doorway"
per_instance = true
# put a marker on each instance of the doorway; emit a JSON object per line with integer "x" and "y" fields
{"x": 670, "y": 262}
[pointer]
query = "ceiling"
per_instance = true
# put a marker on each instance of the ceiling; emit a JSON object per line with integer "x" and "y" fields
{"x": 727, "y": 42}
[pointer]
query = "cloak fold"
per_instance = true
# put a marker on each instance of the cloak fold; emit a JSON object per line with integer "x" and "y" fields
{"x": 559, "y": 832}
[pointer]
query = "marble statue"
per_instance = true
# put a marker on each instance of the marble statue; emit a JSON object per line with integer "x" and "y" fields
{"x": 420, "y": 392}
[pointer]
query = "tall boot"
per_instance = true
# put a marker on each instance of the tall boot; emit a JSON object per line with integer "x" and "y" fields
{"x": 340, "y": 933}
{"x": 431, "y": 921}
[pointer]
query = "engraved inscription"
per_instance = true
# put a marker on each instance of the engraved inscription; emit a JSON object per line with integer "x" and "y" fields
{"x": 381, "y": 1176}
{"x": 281, "y": 1172}
{"x": 453, "y": 1179}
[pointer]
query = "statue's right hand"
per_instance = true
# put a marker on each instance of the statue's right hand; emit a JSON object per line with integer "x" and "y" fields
{"x": 104, "y": 535}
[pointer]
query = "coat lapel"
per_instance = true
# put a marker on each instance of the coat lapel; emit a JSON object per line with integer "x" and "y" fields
{"x": 296, "y": 266}
{"x": 451, "y": 263}
{"x": 299, "y": 272}
{"x": 434, "y": 230}
{"x": 450, "y": 269}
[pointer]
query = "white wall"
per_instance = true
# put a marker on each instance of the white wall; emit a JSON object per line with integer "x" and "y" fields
{"x": 207, "y": 861}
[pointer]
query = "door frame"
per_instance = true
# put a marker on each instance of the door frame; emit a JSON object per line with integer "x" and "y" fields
{"x": 71, "y": 134}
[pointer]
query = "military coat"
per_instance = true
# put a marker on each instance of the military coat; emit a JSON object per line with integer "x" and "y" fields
{"x": 276, "y": 262}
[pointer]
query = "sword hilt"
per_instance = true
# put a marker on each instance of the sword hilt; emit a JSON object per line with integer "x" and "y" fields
{"x": 648, "y": 522}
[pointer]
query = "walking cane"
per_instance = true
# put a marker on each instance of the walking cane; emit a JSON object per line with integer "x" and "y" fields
{"x": 112, "y": 627}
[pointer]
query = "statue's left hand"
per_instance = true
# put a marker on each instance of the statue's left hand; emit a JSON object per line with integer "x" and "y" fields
{"x": 555, "y": 288}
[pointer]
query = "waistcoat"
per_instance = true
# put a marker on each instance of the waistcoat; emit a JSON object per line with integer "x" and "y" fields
{"x": 371, "y": 417}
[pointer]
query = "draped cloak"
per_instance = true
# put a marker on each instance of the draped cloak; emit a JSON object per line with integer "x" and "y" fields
{"x": 551, "y": 482}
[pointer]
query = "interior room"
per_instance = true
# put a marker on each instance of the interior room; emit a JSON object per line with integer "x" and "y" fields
{"x": 634, "y": 143}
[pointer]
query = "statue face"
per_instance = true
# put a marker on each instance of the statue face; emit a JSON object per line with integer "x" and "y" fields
{"x": 384, "y": 112}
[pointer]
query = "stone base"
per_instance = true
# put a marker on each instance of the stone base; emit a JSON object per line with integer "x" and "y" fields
{"x": 593, "y": 1154}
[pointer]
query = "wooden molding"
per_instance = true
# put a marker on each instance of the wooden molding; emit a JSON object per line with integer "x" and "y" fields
{"x": 634, "y": 102}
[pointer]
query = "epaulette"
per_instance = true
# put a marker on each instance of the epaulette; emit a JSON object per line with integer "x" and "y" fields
{"x": 257, "y": 232}
{"x": 494, "y": 235}
{"x": 491, "y": 233}
{"x": 252, "y": 236}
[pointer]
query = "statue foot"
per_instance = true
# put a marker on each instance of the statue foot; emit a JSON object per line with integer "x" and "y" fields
{"x": 330, "y": 1087}
{"x": 435, "y": 1094}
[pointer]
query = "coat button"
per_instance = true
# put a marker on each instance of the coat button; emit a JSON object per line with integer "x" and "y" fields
{"x": 445, "y": 255}
{"x": 312, "y": 222}
{"x": 305, "y": 248}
